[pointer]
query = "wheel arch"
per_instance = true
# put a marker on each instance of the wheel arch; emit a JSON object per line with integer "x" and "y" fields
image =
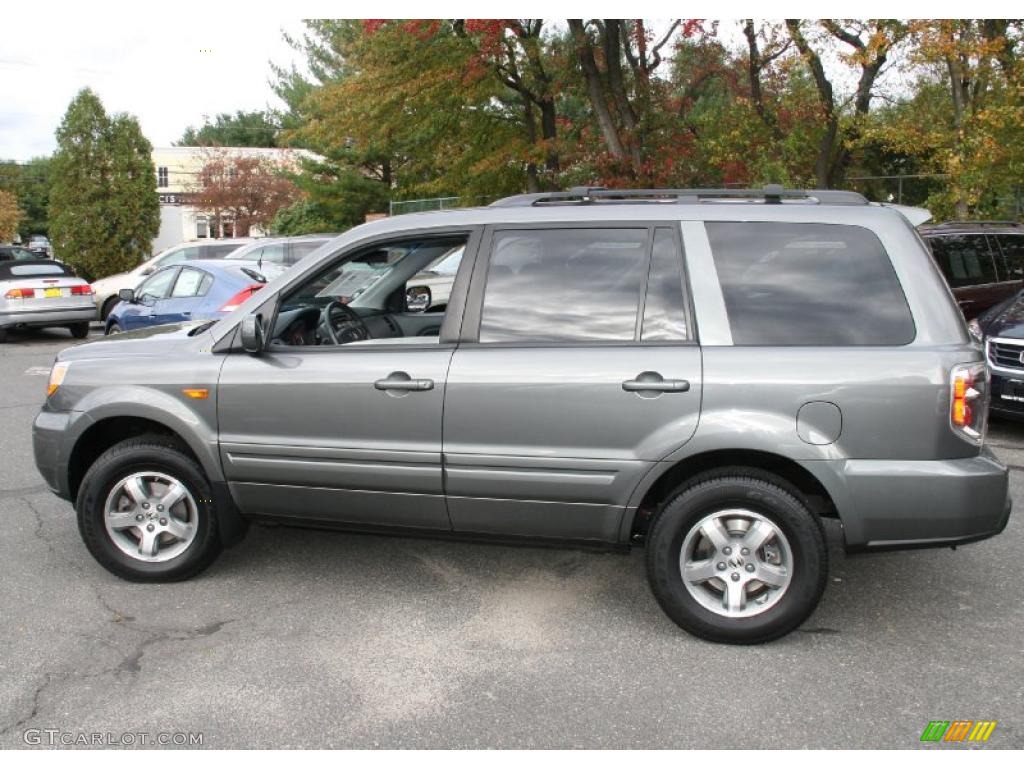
{"x": 658, "y": 486}
{"x": 105, "y": 433}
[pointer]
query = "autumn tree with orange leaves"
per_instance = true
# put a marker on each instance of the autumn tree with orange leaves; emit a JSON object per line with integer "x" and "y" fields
{"x": 245, "y": 190}
{"x": 480, "y": 108}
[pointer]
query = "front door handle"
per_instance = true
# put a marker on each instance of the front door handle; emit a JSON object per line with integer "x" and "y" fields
{"x": 402, "y": 382}
{"x": 652, "y": 381}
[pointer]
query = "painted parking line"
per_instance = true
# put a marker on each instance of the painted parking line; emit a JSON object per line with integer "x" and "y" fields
{"x": 38, "y": 370}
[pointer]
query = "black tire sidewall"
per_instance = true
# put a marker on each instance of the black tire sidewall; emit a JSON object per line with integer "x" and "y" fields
{"x": 140, "y": 456}
{"x": 801, "y": 528}
{"x": 79, "y": 330}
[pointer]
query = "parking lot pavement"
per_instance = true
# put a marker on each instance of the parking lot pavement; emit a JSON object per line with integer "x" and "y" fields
{"x": 305, "y": 638}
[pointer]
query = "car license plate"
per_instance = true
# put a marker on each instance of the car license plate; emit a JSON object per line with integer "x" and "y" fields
{"x": 1013, "y": 390}
{"x": 52, "y": 292}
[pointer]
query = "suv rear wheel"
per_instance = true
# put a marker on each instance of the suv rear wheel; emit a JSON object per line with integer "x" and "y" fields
{"x": 145, "y": 511}
{"x": 735, "y": 556}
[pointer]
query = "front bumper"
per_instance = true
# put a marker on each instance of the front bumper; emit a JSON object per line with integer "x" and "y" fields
{"x": 895, "y": 504}
{"x": 41, "y": 318}
{"x": 49, "y": 433}
{"x": 1007, "y": 393}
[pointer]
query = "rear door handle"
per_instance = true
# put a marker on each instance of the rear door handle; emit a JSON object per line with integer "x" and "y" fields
{"x": 401, "y": 381}
{"x": 651, "y": 381}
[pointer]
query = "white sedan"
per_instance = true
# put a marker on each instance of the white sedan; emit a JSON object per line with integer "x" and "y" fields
{"x": 42, "y": 294}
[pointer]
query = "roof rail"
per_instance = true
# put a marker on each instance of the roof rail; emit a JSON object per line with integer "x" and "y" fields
{"x": 770, "y": 194}
{"x": 977, "y": 223}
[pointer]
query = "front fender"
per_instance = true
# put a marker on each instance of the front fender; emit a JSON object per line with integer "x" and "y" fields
{"x": 194, "y": 421}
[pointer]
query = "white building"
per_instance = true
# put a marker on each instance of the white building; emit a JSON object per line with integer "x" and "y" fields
{"x": 177, "y": 174}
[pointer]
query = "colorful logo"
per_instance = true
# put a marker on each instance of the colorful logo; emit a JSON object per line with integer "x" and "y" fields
{"x": 958, "y": 730}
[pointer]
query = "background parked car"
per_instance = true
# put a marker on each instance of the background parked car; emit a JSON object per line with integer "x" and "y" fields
{"x": 41, "y": 293}
{"x": 107, "y": 289}
{"x": 275, "y": 255}
{"x": 1001, "y": 330}
{"x": 15, "y": 253}
{"x": 983, "y": 261}
{"x": 199, "y": 290}
{"x": 40, "y": 246}
{"x": 429, "y": 290}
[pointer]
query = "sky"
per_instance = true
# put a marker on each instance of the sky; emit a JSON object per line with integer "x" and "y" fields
{"x": 168, "y": 73}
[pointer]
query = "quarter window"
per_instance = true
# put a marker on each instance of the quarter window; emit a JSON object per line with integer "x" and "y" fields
{"x": 808, "y": 285}
{"x": 564, "y": 285}
{"x": 665, "y": 309}
{"x": 964, "y": 259}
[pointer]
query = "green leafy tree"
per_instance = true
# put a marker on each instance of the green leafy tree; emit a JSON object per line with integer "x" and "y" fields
{"x": 103, "y": 202}
{"x": 242, "y": 129}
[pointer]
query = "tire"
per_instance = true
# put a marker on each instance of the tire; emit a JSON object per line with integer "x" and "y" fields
{"x": 723, "y": 600}
{"x": 3, "y": 335}
{"x": 163, "y": 466}
{"x": 113, "y": 328}
{"x": 108, "y": 306}
{"x": 79, "y": 330}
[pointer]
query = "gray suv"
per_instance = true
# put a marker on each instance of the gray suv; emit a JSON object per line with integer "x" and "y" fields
{"x": 705, "y": 373}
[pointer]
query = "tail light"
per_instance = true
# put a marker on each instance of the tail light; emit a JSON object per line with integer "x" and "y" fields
{"x": 81, "y": 290}
{"x": 20, "y": 293}
{"x": 968, "y": 401}
{"x": 239, "y": 298}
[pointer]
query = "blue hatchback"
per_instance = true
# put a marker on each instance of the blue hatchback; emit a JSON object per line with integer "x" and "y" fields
{"x": 204, "y": 289}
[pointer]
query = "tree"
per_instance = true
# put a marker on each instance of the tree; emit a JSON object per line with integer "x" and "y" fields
{"x": 10, "y": 216}
{"x": 247, "y": 190}
{"x": 869, "y": 44}
{"x": 104, "y": 211}
{"x": 30, "y": 184}
{"x": 242, "y": 129}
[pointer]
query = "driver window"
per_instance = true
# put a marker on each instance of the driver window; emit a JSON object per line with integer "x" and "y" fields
{"x": 388, "y": 293}
{"x": 155, "y": 287}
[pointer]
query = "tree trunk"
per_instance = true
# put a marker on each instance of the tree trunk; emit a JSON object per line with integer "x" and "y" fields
{"x": 595, "y": 90}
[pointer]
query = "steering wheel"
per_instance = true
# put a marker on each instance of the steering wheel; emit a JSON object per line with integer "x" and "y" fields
{"x": 356, "y": 330}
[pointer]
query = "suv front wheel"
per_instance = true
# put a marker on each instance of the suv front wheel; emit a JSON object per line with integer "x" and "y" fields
{"x": 145, "y": 511}
{"x": 737, "y": 557}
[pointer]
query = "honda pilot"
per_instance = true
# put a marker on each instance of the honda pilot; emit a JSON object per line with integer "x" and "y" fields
{"x": 708, "y": 374}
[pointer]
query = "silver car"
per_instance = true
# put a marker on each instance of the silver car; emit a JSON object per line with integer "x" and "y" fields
{"x": 708, "y": 374}
{"x": 42, "y": 294}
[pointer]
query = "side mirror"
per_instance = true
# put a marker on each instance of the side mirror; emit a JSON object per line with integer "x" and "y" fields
{"x": 417, "y": 298}
{"x": 252, "y": 334}
{"x": 126, "y": 295}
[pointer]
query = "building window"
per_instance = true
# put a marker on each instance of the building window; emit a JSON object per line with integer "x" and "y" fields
{"x": 161, "y": 176}
{"x": 202, "y": 227}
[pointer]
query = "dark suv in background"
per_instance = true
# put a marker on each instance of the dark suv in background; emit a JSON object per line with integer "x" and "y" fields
{"x": 983, "y": 261}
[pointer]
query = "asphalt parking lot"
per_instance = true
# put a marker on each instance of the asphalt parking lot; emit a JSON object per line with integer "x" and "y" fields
{"x": 310, "y": 639}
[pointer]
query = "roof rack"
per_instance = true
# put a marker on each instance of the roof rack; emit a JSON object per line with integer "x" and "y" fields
{"x": 770, "y": 194}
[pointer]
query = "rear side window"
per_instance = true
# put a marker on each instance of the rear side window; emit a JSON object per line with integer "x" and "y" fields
{"x": 191, "y": 282}
{"x": 808, "y": 285}
{"x": 302, "y": 250}
{"x": 964, "y": 259}
{"x": 219, "y": 251}
{"x": 1012, "y": 247}
{"x": 564, "y": 285}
